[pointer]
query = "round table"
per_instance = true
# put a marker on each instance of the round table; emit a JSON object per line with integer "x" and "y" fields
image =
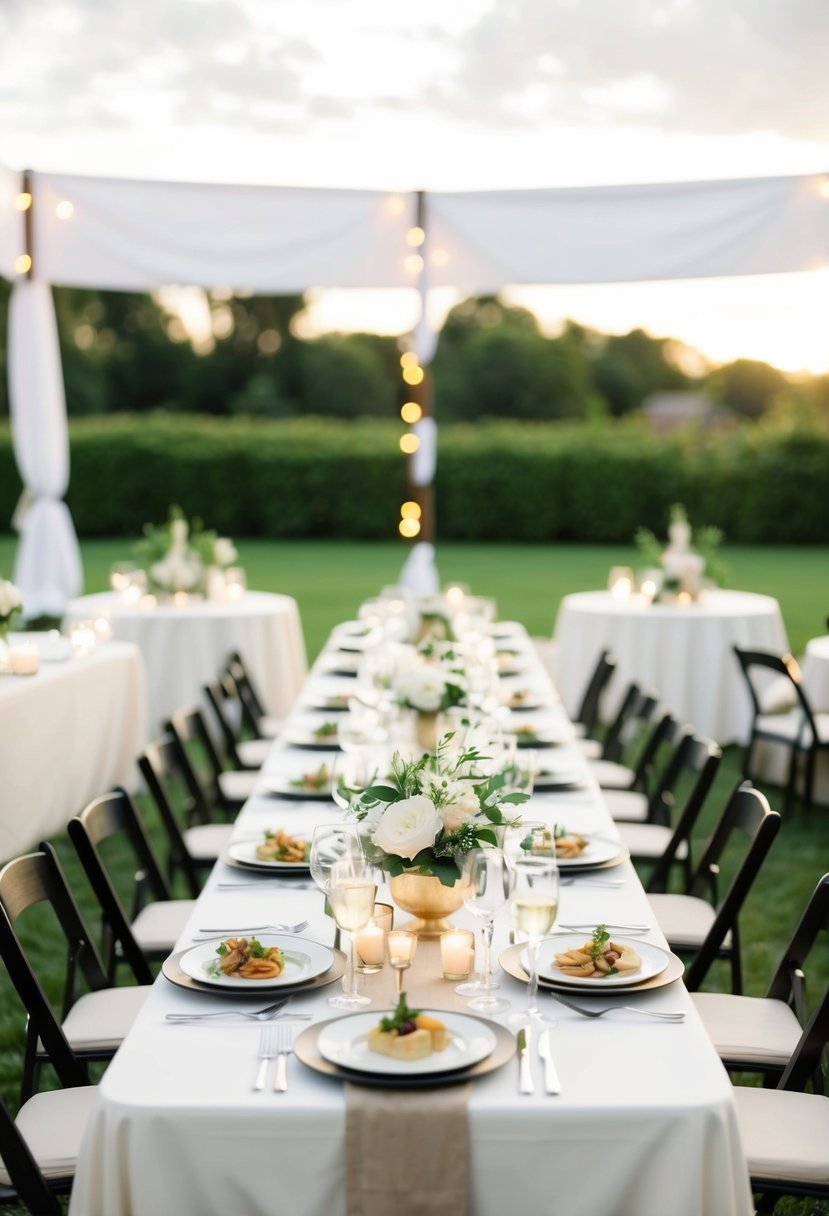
{"x": 186, "y": 644}
{"x": 682, "y": 652}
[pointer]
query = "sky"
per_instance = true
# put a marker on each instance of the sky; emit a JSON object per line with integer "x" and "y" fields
{"x": 446, "y": 94}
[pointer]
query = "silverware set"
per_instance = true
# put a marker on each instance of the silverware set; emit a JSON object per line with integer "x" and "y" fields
{"x": 255, "y": 1015}
{"x": 275, "y": 1042}
{"x": 677, "y": 1015}
{"x": 210, "y": 935}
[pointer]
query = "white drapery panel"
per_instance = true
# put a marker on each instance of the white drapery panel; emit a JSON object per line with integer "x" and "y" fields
{"x": 611, "y": 234}
{"x": 11, "y": 222}
{"x": 48, "y": 567}
{"x": 138, "y": 236}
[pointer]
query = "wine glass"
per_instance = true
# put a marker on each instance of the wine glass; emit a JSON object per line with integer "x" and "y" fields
{"x": 488, "y": 884}
{"x": 351, "y": 895}
{"x": 331, "y": 844}
{"x": 534, "y": 906}
{"x": 401, "y": 947}
{"x": 528, "y": 838}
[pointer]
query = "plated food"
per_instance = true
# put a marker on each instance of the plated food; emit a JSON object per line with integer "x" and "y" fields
{"x": 408, "y": 1034}
{"x": 280, "y": 846}
{"x": 599, "y": 958}
{"x": 314, "y": 781}
{"x": 248, "y": 959}
{"x": 569, "y": 845}
{"x": 326, "y": 730}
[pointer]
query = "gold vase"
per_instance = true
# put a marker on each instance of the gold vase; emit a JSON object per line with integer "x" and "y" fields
{"x": 426, "y": 730}
{"x": 429, "y": 901}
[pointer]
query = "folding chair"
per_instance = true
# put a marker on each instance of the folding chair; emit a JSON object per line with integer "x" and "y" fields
{"x": 217, "y": 787}
{"x": 708, "y": 931}
{"x": 255, "y": 717}
{"x": 39, "y": 1149}
{"x": 633, "y": 741}
{"x": 223, "y": 699}
{"x": 587, "y": 718}
{"x": 92, "y": 1024}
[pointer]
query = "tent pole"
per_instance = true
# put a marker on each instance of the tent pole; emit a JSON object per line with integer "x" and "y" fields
{"x": 29, "y": 223}
{"x": 422, "y": 394}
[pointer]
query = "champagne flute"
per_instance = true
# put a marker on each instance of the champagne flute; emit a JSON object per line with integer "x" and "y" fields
{"x": 332, "y": 844}
{"x": 488, "y": 884}
{"x": 351, "y": 896}
{"x": 534, "y": 906}
{"x": 401, "y": 947}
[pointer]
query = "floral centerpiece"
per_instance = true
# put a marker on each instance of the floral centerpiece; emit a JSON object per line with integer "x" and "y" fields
{"x": 11, "y": 605}
{"x": 179, "y": 555}
{"x": 690, "y": 558}
{"x": 428, "y": 688}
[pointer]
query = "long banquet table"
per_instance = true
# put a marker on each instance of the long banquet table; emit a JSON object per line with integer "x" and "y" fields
{"x": 645, "y": 1123}
{"x": 186, "y": 643}
{"x": 67, "y": 734}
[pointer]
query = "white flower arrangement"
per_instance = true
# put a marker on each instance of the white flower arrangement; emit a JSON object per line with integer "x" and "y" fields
{"x": 177, "y": 555}
{"x": 11, "y": 604}
{"x": 429, "y": 688}
{"x": 690, "y": 557}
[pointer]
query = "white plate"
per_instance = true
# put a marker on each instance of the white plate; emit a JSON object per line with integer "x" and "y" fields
{"x": 305, "y": 960}
{"x": 563, "y": 779}
{"x": 245, "y": 851}
{"x": 598, "y": 849}
{"x": 341, "y": 663}
{"x": 544, "y": 736}
{"x": 345, "y": 1043}
{"x": 283, "y": 788}
{"x": 654, "y": 961}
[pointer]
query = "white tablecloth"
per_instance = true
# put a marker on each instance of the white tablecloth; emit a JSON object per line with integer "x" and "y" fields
{"x": 816, "y": 673}
{"x": 67, "y": 734}
{"x": 186, "y": 645}
{"x": 645, "y": 1124}
{"x": 683, "y": 653}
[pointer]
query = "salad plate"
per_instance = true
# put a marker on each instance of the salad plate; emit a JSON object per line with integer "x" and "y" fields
{"x": 304, "y": 787}
{"x": 654, "y": 960}
{"x": 597, "y": 852}
{"x": 304, "y": 960}
{"x": 344, "y": 1042}
{"x": 510, "y": 961}
{"x": 173, "y": 973}
{"x": 244, "y": 852}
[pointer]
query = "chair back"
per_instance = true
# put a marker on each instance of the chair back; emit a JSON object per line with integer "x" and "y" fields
{"x": 588, "y": 712}
{"x": 161, "y": 769}
{"x": 749, "y": 818}
{"x": 193, "y": 741}
{"x": 695, "y": 761}
{"x": 219, "y": 697}
{"x": 110, "y": 816}
{"x": 752, "y": 662}
{"x": 25, "y": 882}
{"x": 665, "y": 733}
{"x": 28, "y": 1184}
{"x": 636, "y": 708}
{"x": 253, "y": 707}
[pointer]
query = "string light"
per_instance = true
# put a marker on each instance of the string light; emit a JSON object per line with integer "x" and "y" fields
{"x": 413, "y": 263}
{"x": 408, "y": 527}
{"x": 411, "y": 412}
{"x": 409, "y": 443}
{"x": 23, "y": 264}
{"x": 413, "y": 375}
{"x": 409, "y": 359}
{"x": 64, "y": 210}
{"x": 23, "y": 201}
{"x": 410, "y": 510}
{"x": 395, "y": 205}
{"x": 415, "y": 237}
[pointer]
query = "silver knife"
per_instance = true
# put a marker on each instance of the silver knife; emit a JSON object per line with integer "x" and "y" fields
{"x": 525, "y": 1076}
{"x": 551, "y": 1081}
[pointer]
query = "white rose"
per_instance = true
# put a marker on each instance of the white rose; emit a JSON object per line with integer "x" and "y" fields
{"x": 10, "y": 598}
{"x": 422, "y": 687}
{"x": 408, "y": 826}
{"x": 458, "y": 813}
{"x": 224, "y": 552}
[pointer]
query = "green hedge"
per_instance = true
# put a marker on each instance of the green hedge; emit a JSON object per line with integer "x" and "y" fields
{"x": 496, "y": 480}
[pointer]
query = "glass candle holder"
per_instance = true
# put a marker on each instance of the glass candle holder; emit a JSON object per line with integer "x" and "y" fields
{"x": 370, "y": 942}
{"x": 235, "y": 582}
{"x": 82, "y": 637}
{"x": 620, "y": 582}
{"x": 24, "y": 658}
{"x": 457, "y": 954}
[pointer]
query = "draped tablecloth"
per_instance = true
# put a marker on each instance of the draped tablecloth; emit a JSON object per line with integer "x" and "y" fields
{"x": 67, "y": 734}
{"x": 645, "y": 1123}
{"x": 684, "y": 653}
{"x": 185, "y": 645}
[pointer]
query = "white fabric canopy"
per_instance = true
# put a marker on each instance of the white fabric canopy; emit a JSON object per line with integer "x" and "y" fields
{"x": 11, "y": 222}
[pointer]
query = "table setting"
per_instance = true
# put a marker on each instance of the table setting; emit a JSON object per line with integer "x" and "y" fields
{"x": 413, "y": 1059}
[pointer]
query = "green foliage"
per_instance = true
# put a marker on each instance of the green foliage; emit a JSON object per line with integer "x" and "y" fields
{"x": 747, "y": 386}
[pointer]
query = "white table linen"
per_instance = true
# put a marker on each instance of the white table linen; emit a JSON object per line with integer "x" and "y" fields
{"x": 67, "y": 734}
{"x": 645, "y": 1123}
{"x": 186, "y": 645}
{"x": 684, "y": 653}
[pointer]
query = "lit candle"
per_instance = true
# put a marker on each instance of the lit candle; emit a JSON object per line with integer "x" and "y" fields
{"x": 457, "y": 950}
{"x": 103, "y": 629}
{"x": 82, "y": 637}
{"x": 684, "y": 599}
{"x": 648, "y": 590}
{"x": 371, "y": 945}
{"x": 180, "y": 598}
{"x": 401, "y": 946}
{"x": 24, "y": 658}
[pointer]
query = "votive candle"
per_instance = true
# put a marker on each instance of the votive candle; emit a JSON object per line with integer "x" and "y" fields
{"x": 24, "y": 658}
{"x": 457, "y": 950}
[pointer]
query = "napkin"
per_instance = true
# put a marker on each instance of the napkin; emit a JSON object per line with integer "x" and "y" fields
{"x": 407, "y": 1151}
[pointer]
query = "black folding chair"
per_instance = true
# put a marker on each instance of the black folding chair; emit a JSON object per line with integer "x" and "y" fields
{"x": 23, "y": 1177}
{"x": 588, "y": 714}
{"x": 223, "y": 699}
{"x": 211, "y": 783}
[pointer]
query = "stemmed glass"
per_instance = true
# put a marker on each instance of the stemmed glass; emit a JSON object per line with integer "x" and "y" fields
{"x": 528, "y": 837}
{"x": 488, "y": 884}
{"x": 534, "y": 905}
{"x": 332, "y": 844}
{"x": 351, "y": 895}
{"x": 401, "y": 947}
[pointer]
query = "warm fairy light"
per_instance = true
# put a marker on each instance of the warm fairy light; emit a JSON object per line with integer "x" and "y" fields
{"x": 395, "y": 205}
{"x": 413, "y": 375}
{"x": 411, "y": 412}
{"x": 408, "y": 527}
{"x": 64, "y": 210}
{"x": 438, "y": 257}
{"x": 410, "y": 510}
{"x": 413, "y": 263}
{"x": 23, "y": 263}
{"x": 823, "y": 187}
{"x": 409, "y": 443}
{"x": 409, "y": 359}
{"x": 415, "y": 236}
{"x": 23, "y": 201}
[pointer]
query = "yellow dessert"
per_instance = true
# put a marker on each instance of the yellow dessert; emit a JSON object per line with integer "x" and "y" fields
{"x": 407, "y": 1034}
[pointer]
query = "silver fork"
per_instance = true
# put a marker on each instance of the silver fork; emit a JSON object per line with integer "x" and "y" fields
{"x": 677, "y": 1015}
{"x": 211, "y": 935}
{"x": 267, "y": 1051}
{"x": 258, "y": 1015}
{"x": 284, "y": 1047}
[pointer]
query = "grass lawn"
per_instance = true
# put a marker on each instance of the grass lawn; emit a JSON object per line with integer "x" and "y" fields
{"x": 329, "y": 579}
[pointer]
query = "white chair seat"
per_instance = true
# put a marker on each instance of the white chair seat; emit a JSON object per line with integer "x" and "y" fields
{"x": 626, "y": 805}
{"x": 159, "y": 925}
{"x": 684, "y": 919}
{"x": 102, "y": 1019}
{"x": 752, "y": 1029}
{"x": 53, "y": 1125}
{"x": 238, "y": 787}
{"x": 207, "y": 841}
{"x": 791, "y": 727}
{"x": 254, "y": 752}
{"x": 612, "y": 776}
{"x": 649, "y": 840}
{"x": 784, "y": 1135}
{"x": 591, "y": 749}
{"x": 269, "y": 727}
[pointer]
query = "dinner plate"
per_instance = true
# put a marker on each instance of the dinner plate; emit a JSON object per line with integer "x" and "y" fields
{"x": 304, "y": 960}
{"x": 307, "y": 739}
{"x": 341, "y": 664}
{"x": 597, "y": 851}
{"x": 532, "y": 703}
{"x": 565, "y": 779}
{"x": 172, "y": 972}
{"x": 528, "y": 735}
{"x": 306, "y": 1050}
{"x": 654, "y": 961}
{"x": 284, "y": 787}
{"x": 344, "y": 1042}
{"x": 337, "y": 703}
{"x": 244, "y": 851}
{"x": 510, "y": 961}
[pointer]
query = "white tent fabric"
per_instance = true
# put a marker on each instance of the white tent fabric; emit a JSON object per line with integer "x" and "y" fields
{"x": 48, "y": 567}
{"x": 11, "y": 222}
